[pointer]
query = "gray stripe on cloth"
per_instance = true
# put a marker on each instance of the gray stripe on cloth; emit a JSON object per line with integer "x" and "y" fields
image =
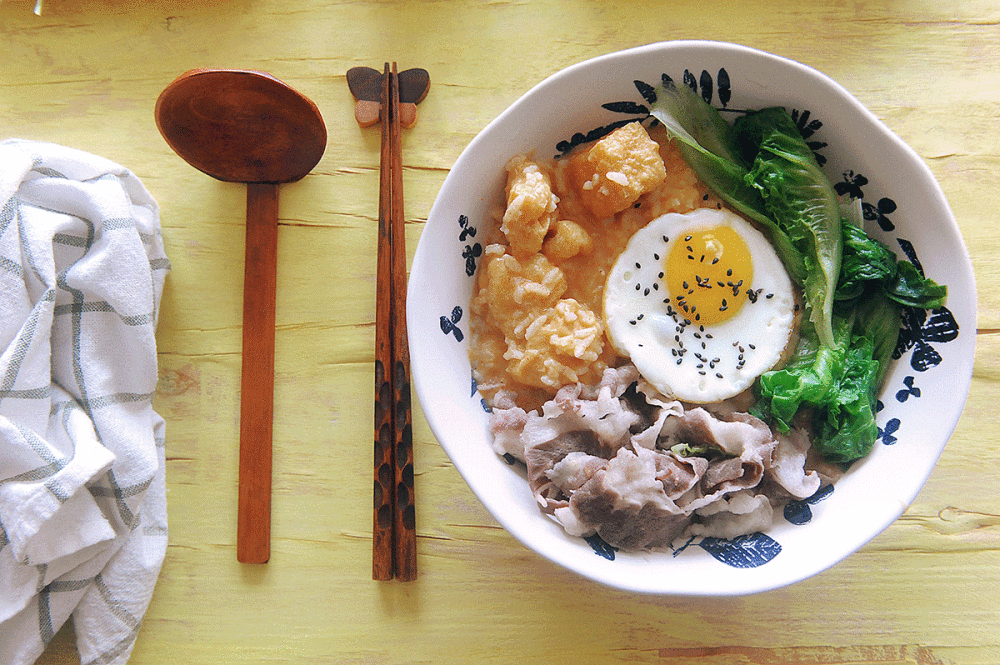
{"x": 53, "y": 464}
{"x": 23, "y": 343}
{"x": 104, "y": 401}
{"x": 47, "y": 171}
{"x": 44, "y": 617}
{"x": 31, "y": 393}
{"x": 64, "y": 586}
{"x": 155, "y": 530}
{"x": 40, "y": 473}
{"x": 115, "y": 651}
{"x": 7, "y": 214}
{"x": 117, "y": 609}
{"x": 26, "y": 249}
{"x": 120, "y": 492}
{"x": 9, "y": 266}
{"x": 104, "y": 306}
{"x": 69, "y": 240}
{"x": 57, "y": 490}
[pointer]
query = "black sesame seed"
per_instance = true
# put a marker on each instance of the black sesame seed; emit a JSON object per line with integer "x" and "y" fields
{"x": 702, "y": 259}
{"x": 656, "y": 286}
{"x": 632, "y": 321}
{"x": 665, "y": 238}
{"x": 697, "y": 335}
{"x": 640, "y": 317}
{"x": 718, "y": 375}
{"x": 769, "y": 296}
{"x": 684, "y": 284}
{"x": 646, "y": 292}
{"x": 699, "y": 366}
{"x": 708, "y": 335}
{"x": 656, "y": 256}
{"x": 752, "y": 346}
{"x": 703, "y": 372}
{"x": 729, "y": 273}
{"x": 714, "y": 261}
{"x": 680, "y": 360}
{"x": 660, "y": 275}
{"x": 688, "y": 238}
{"x": 637, "y": 287}
{"x": 638, "y": 265}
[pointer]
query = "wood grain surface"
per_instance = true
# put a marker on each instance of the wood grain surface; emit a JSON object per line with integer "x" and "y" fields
{"x": 86, "y": 73}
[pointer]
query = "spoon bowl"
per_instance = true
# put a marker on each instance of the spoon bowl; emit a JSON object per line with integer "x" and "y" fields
{"x": 241, "y": 126}
{"x": 245, "y": 126}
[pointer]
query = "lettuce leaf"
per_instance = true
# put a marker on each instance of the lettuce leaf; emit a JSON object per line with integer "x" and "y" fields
{"x": 869, "y": 264}
{"x": 801, "y": 200}
{"x": 763, "y": 168}
{"x": 838, "y": 385}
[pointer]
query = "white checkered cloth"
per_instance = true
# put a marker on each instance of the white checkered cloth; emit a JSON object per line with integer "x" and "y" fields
{"x": 83, "y": 511}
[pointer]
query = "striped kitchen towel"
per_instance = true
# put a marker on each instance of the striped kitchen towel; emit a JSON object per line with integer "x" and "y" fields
{"x": 83, "y": 514}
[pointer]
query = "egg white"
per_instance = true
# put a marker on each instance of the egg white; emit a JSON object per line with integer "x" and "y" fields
{"x": 681, "y": 357}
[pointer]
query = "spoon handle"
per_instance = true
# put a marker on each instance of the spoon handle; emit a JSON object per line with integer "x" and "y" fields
{"x": 253, "y": 533}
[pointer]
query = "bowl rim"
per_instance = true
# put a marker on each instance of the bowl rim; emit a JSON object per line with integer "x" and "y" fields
{"x": 961, "y": 368}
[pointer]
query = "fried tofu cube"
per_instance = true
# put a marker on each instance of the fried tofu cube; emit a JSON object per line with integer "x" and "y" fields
{"x": 615, "y": 171}
{"x": 531, "y": 206}
{"x": 568, "y": 240}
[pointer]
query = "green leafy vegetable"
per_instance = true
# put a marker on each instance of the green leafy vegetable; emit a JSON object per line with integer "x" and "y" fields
{"x": 763, "y": 167}
{"x": 853, "y": 285}
{"x": 839, "y": 384}
{"x": 706, "y": 451}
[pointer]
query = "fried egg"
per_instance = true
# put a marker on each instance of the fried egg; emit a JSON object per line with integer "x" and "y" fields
{"x": 701, "y": 304}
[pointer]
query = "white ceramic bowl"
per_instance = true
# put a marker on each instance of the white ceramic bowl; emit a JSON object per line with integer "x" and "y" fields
{"x": 925, "y": 389}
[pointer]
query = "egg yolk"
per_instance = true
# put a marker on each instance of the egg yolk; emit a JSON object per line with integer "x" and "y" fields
{"x": 708, "y": 273}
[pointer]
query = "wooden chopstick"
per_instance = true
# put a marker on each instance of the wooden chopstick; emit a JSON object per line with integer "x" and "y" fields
{"x": 394, "y": 545}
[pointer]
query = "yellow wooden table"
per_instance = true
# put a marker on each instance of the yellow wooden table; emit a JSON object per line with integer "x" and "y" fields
{"x": 86, "y": 73}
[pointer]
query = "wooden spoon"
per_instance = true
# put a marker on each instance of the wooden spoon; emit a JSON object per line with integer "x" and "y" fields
{"x": 243, "y": 126}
